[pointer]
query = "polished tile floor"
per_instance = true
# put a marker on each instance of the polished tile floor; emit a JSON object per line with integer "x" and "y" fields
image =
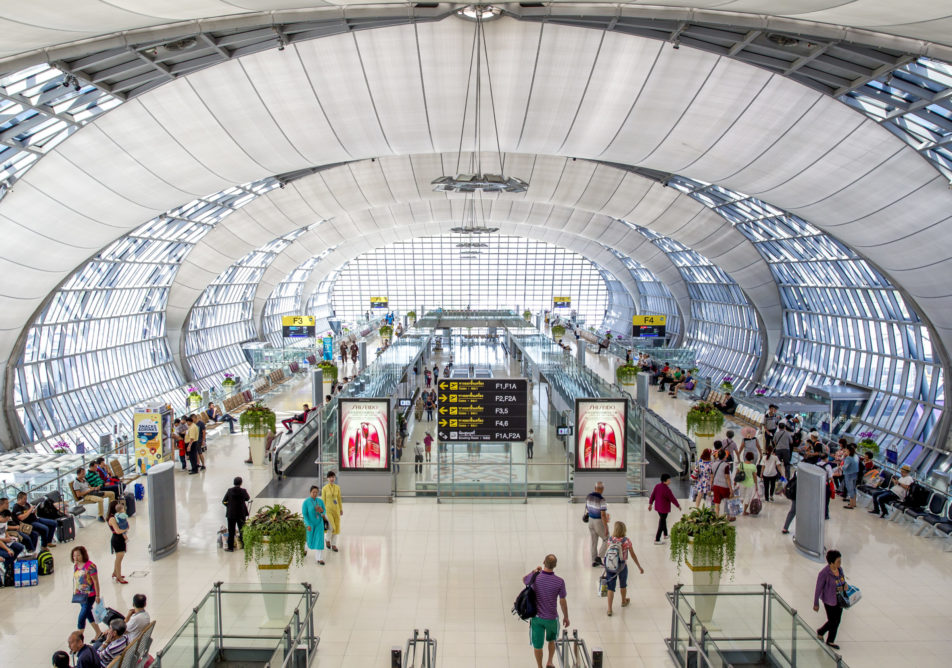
{"x": 455, "y": 568}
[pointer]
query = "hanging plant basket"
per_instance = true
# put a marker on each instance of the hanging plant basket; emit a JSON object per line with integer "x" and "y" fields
{"x": 385, "y": 332}
{"x": 527, "y": 314}
{"x": 411, "y": 315}
{"x": 627, "y": 373}
{"x": 558, "y": 331}
{"x": 257, "y": 420}
{"x": 704, "y": 419}
{"x": 704, "y": 537}
{"x": 329, "y": 371}
{"x": 275, "y": 535}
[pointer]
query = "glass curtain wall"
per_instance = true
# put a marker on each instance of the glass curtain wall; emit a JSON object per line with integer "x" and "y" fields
{"x": 844, "y": 322}
{"x": 724, "y": 328}
{"x": 509, "y": 272}
{"x": 223, "y": 317}
{"x": 286, "y": 300}
{"x": 653, "y": 297}
{"x": 98, "y": 347}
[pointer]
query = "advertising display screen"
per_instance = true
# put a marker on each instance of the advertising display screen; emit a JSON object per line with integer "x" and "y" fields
{"x": 297, "y": 326}
{"x": 561, "y": 302}
{"x": 328, "y": 348}
{"x": 380, "y": 302}
{"x": 600, "y": 428}
{"x": 648, "y": 326}
{"x": 363, "y": 428}
{"x": 148, "y": 430}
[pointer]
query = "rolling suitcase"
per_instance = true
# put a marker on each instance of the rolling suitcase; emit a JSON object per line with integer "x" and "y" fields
{"x": 130, "y": 500}
{"x": 65, "y": 529}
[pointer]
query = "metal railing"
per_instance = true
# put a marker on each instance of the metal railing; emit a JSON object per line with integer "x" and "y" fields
{"x": 572, "y": 652}
{"x": 742, "y": 625}
{"x": 423, "y": 645}
{"x": 226, "y": 626}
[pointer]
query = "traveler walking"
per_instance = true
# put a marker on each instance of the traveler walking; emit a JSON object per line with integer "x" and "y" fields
{"x": 427, "y": 377}
{"x": 771, "y": 420}
{"x": 530, "y": 445}
{"x": 705, "y": 476}
{"x": 829, "y": 581}
{"x": 430, "y": 405}
{"x": 748, "y": 485}
{"x": 202, "y": 432}
{"x": 118, "y": 523}
{"x": 236, "y": 510}
{"x": 544, "y": 627}
{"x": 313, "y": 512}
{"x": 597, "y": 513}
{"x": 791, "y": 493}
{"x": 427, "y": 445}
{"x": 418, "y": 409}
{"x": 192, "y": 444}
{"x": 418, "y": 458}
{"x": 662, "y": 497}
{"x": 850, "y": 475}
{"x": 334, "y": 507}
{"x": 783, "y": 442}
{"x": 85, "y": 587}
{"x": 616, "y": 564}
{"x": 721, "y": 482}
{"x": 771, "y": 469}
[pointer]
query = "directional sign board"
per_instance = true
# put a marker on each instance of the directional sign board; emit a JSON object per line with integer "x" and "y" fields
{"x": 487, "y": 409}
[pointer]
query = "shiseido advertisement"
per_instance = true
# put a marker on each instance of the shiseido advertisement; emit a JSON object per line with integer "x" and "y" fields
{"x": 363, "y": 434}
{"x": 600, "y": 427}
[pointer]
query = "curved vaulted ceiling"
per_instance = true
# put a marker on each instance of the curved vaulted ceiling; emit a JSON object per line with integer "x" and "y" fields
{"x": 396, "y": 94}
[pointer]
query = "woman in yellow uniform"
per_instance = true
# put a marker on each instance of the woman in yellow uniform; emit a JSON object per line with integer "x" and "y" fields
{"x": 334, "y": 505}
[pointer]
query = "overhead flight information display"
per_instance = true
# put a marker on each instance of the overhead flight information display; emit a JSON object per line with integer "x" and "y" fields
{"x": 297, "y": 326}
{"x": 648, "y": 326}
{"x": 490, "y": 409}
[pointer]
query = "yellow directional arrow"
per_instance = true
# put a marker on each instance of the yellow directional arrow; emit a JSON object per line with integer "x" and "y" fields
{"x": 442, "y": 386}
{"x": 442, "y": 411}
{"x": 443, "y": 397}
{"x": 442, "y": 423}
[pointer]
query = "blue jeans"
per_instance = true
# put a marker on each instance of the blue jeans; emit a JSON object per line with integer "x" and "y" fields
{"x": 86, "y": 612}
{"x": 10, "y": 559}
{"x": 46, "y": 528}
{"x": 849, "y": 479}
{"x": 225, "y": 417}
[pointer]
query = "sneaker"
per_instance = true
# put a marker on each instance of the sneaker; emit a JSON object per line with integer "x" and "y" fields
{"x": 229, "y": 549}
{"x": 598, "y": 561}
{"x": 102, "y": 519}
{"x": 658, "y": 542}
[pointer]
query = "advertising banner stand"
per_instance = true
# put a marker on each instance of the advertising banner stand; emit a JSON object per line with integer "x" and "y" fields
{"x": 809, "y": 529}
{"x": 364, "y": 449}
{"x": 601, "y": 448}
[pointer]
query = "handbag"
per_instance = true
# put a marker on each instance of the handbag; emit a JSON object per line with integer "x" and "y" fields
{"x": 741, "y": 475}
{"x": 585, "y": 516}
{"x": 79, "y": 598}
{"x": 25, "y": 528}
{"x": 848, "y": 596}
{"x": 327, "y": 525}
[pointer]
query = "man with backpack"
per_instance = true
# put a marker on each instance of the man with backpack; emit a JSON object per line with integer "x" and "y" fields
{"x": 544, "y": 626}
{"x": 596, "y": 515}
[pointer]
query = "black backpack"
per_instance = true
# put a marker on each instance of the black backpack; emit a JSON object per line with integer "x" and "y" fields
{"x": 48, "y": 510}
{"x": 525, "y": 606}
{"x": 790, "y": 491}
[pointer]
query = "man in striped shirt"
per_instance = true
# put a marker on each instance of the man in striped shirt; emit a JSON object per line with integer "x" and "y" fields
{"x": 544, "y": 627}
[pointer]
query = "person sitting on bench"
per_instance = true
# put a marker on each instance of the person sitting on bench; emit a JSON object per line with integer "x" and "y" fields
{"x": 300, "y": 418}
{"x": 728, "y": 406}
{"x": 215, "y": 415}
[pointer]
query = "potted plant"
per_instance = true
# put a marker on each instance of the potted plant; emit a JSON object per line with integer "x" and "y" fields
{"x": 608, "y": 335}
{"x": 228, "y": 385}
{"x": 558, "y": 331}
{"x": 274, "y": 538}
{"x": 194, "y": 399}
{"x": 411, "y": 316}
{"x": 760, "y": 391}
{"x": 385, "y": 331}
{"x": 258, "y": 420}
{"x": 704, "y": 419}
{"x": 627, "y": 373}
{"x": 707, "y": 544}
{"x": 329, "y": 375}
{"x": 61, "y": 448}
{"x": 867, "y": 443}
{"x": 727, "y": 384}
{"x": 527, "y": 314}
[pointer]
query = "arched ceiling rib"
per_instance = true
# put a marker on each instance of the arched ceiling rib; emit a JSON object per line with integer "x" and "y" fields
{"x": 579, "y": 196}
{"x": 35, "y": 27}
{"x": 567, "y": 91}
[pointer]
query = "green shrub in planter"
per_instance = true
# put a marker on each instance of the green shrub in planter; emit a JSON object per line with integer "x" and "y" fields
{"x": 386, "y": 332}
{"x": 627, "y": 373}
{"x": 328, "y": 370}
{"x": 285, "y": 532}
{"x": 258, "y": 420}
{"x": 704, "y": 537}
{"x": 558, "y": 331}
{"x": 867, "y": 443}
{"x": 704, "y": 418}
{"x": 411, "y": 315}
{"x": 527, "y": 314}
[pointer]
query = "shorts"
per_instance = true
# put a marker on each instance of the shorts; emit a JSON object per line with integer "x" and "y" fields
{"x": 720, "y": 493}
{"x": 620, "y": 577}
{"x": 542, "y": 630}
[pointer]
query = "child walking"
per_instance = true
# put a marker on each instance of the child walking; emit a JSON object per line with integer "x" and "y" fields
{"x": 661, "y": 498}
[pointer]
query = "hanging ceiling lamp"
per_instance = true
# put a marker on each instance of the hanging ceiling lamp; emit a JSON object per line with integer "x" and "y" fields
{"x": 474, "y": 218}
{"x": 475, "y": 179}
